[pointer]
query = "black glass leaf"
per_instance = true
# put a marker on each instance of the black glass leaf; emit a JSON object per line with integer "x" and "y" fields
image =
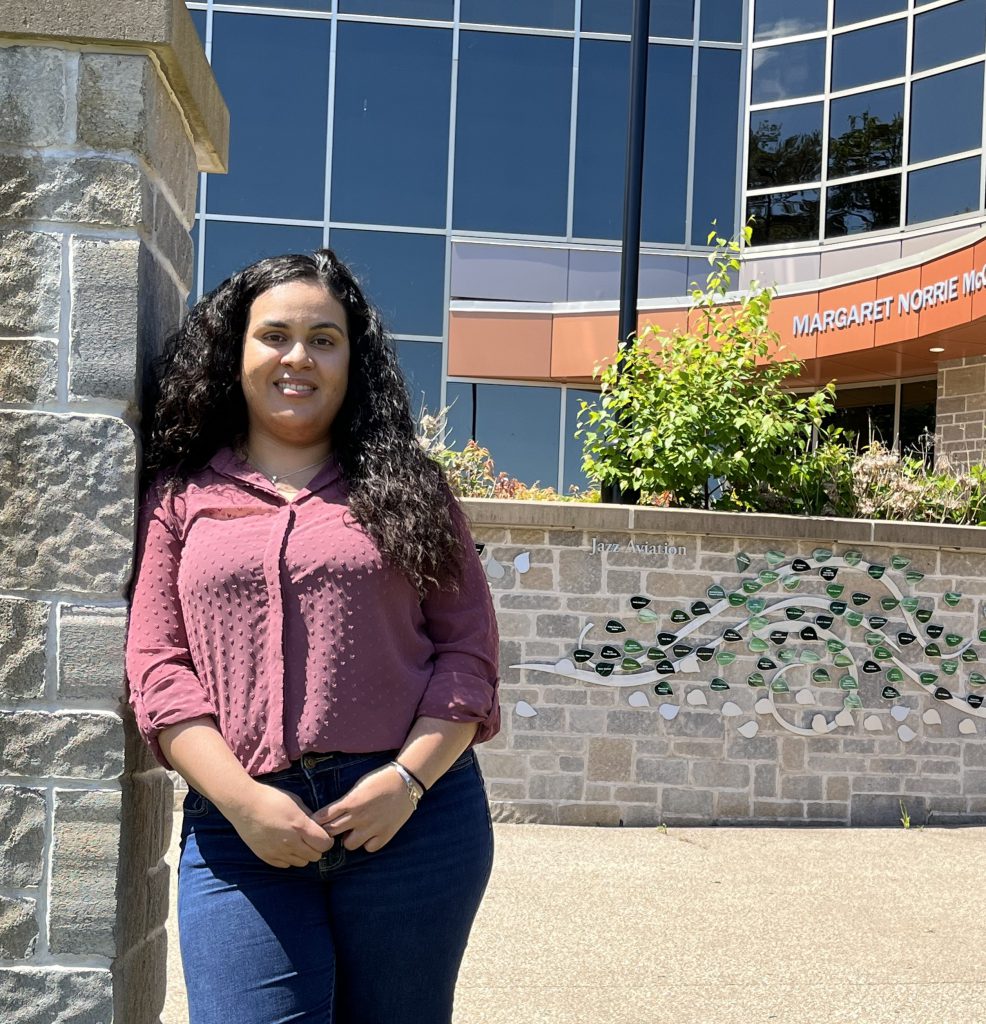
{"x": 731, "y": 636}
{"x": 890, "y": 693}
{"x": 828, "y": 572}
{"x": 800, "y": 565}
{"x": 860, "y": 599}
{"x": 615, "y": 627}
{"x": 700, "y": 608}
{"x": 877, "y": 621}
{"x": 663, "y": 689}
{"x": 871, "y": 666}
{"x": 974, "y": 700}
{"x": 933, "y": 651}
{"x": 679, "y": 616}
{"x": 582, "y": 655}
{"x": 823, "y": 621}
{"x": 969, "y": 654}
{"x": 681, "y": 650}
{"x": 705, "y": 653}
{"x": 605, "y": 668}
{"x": 611, "y": 652}
{"x": 942, "y": 694}
{"x": 876, "y": 571}
{"x": 794, "y": 613}
{"x": 837, "y": 607}
{"x": 715, "y": 592}
{"x": 718, "y": 684}
{"x": 664, "y": 667}
{"x": 666, "y": 639}
{"x": 778, "y": 637}
{"x": 766, "y": 665}
{"x": 809, "y": 633}
{"x": 755, "y": 679}
{"x": 934, "y": 630}
{"x": 905, "y": 638}
{"x": 923, "y": 615}
{"x": 638, "y": 602}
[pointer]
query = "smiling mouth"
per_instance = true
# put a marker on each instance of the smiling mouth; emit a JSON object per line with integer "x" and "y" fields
{"x": 287, "y": 387}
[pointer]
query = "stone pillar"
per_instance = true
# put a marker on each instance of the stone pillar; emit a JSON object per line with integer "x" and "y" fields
{"x": 960, "y": 429}
{"x": 107, "y": 113}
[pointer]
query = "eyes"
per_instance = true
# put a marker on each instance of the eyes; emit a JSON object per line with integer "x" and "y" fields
{"x": 318, "y": 340}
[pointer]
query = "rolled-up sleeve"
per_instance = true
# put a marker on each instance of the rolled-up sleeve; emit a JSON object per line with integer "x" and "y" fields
{"x": 163, "y": 686}
{"x": 462, "y": 626}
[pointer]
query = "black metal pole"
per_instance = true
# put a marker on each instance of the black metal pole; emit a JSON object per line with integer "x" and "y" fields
{"x": 633, "y": 187}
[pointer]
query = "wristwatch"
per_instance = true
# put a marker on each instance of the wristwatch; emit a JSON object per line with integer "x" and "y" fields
{"x": 415, "y": 790}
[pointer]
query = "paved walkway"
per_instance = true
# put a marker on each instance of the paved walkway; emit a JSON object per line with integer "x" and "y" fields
{"x": 723, "y": 926}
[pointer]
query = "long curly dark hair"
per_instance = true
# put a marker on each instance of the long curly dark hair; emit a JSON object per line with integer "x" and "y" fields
{"x": 196, "y": 406}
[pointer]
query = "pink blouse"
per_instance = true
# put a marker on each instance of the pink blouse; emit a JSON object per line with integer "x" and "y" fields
{"x": 281, "y": 620}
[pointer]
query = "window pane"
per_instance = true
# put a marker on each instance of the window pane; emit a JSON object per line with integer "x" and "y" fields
{"x": 277, "y": 115}
{"x": 783, "y": 72}
{"x": 869, "y": 204}
{"x": 784, "y": 217}
{"x": 949, "y": 33}
{"x": 848, "y": 11}
{"x": 537, "y": 13}
{"x": 716, "y": 118}
{"x": 403, "y": 275}
{"x": 722, "y": 20}
{"x": 230, "y": 246}
{"x": 600, "y": 154}
{"x": 869, "y": 55}
{"x": 785, "y": 145}
{"x": 573, "y": 445}
{"x": 198, "y": 19}
{"x": 421, "y": 362}
{"x": 519, "y": 426}
{"x": 866, "y": 131}
{"x": 511, "y": 134}
{"x": 672, "y": 18}
{"x": 947, "y": 113}
{"x": 437, "y": 10}
{"x": 918, "y": 401}
{"x": 392, "y": 83}
{"x": 776, "y": 18}
{"x": 308, "y": 5}
{"x": 866, "y": 414}
{"x": 943, "y": 191}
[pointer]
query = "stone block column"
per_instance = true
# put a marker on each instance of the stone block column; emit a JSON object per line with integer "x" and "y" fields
{"x": 107, "y": 114}
{"x": 960, "y": 427}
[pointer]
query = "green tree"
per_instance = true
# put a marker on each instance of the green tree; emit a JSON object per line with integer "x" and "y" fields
{"x": 676, "y": 411}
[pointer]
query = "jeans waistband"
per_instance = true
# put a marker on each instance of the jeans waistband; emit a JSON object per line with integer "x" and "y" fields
{"x": 331, "y": 760}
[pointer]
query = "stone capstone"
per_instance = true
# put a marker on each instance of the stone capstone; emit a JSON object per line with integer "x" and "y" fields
{"x": 32, "y": 95}
{"x": 30, "y": 281}
{"x": 23, "y": 635}
{"x": 22, "y": 836}
{"x": 70, "y": 745}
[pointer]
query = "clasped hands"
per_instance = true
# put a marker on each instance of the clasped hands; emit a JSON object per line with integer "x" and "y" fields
{"x": 283, "y": 832}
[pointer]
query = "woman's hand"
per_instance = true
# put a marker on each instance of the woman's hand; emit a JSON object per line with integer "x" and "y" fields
{"x": 371, "y": 812}
{"x": 278, "y": 827}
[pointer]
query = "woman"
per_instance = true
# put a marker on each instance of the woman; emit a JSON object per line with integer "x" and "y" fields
{"x": 312, "y": 646}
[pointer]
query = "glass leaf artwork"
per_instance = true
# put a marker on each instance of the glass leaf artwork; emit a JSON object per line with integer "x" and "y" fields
{"x": 716, "y": 593}
{"x": 942, "y": 694}
{"x": 731, "y": 636}
{"x": 610, "y": 652}
{"x": 890, "y": 693}
{"x": 882, "y": 653}
{"x": 877, "y": 622}
{"x": 923, "y": 615}
{"x": 524, "y": 710}
{"x": 899, "y": 712}
{"x": 853, "y": 618}
{"x": 828, "y": 572}
{"x": 974, "y": 700}
{"x": 778, "y": 637}
{"x": 791, "y": 583}
{"x": 665, "y": 668}
{"x": 951, "y": 598}
{"x": 756, "y": 604}
{"x": 932, "y": 651}
{"x": 605, "y": 668}
{"x": 852, "y": 558}
{"x": 759, "y": 622}
{"x": 905, "y": 639}
{"x": 647, "y": 615}
{"x": 953, "y": 639}
{"x": 700, "y": 608}
{"x": 834, "y": 645}
{"x": 794, "y": 613}
{"x": 775, "y": 558}
{"x": 898, "y": 562}
{"x": 742, "y": 561}
{"x": 800, "y": 565}
{"x": 934, "y": 630}
{"x": 780, "y": 686}
{"x": 630, "y": 665}
{"x": 835, "y": 590}
{"x": 736, "y": 600}
{"x": 913, "y": 576}
{"x": 808, "y": 657}
{"x": 681, "y": 650}
{"x": 808, "y": 633}
{"x": 725, "y": 657}
{"x": 895, "y": 675}
{"x": 821, "y": 554}
{"x": 669, "y": 712}
{"x": 581, "y": 656}
{"x": 928, "y": 678}
{"x": 909, "y": 604}
{"x": 755, "y": 679}
{"x": 860, "y": 598}
{"x": 633, "y": 647}
{"x": 821, "y": 675}
{"x": 823, "y": 621}
{"x": 718, "y": 684}
{"x": 752, "y": 586}
{"x": 838, "y": 607}
{"x": 848, "y": 682}
{"x": 766, "y": 664}
{"x": 768, "y": 576}
{"x": 977, "y": 679}
{"x": 967, "y": 727}
{"x": 982, "y": 636}
{"x": 705, "y": 653}
{"x": 870, "y": 667}
{"x": 638, "y": 602}
{"x": 949, "y": 667}
{"x": 614, "y": 626}
{"x": 663, "y": 689}
{"x": 787, "y": 655}
{"x": 666, "y": 639}
{"x": 522, "y": 563}
{"x": 969, "y": 654}
{"x": 888, "y": 604}
{"x": 638, "y": 699}
{"x": 876, "y": 571}
{"x": 757, "y": 645}
{"x": 655, "y": 654}
{"x": 842, "y": 661}
{"x": 872, "y": 639}
{"x": 852, "y": 702}
{"x": 679, "y": 615}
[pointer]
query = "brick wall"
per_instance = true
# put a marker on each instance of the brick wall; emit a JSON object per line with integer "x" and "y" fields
{"x": 580, "y": 748}
{"x": 960, "y": 430}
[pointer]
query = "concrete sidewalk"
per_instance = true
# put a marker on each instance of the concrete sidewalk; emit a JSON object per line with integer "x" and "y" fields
{"x": 721, "y": 926}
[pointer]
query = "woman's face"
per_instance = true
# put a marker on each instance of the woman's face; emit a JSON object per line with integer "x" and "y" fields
{"x": 295, "y": 362}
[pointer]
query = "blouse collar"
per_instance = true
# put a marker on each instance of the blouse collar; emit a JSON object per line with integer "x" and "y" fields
{"x": 227, "y": 463}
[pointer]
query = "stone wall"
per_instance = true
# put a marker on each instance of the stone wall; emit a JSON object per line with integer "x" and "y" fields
{"x": 855, "y": 690}
{"x": 960, "y": 427}
{"x": 98, "y": 172}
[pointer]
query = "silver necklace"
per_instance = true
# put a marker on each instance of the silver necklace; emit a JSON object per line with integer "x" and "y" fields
{"x": 294, "y": 472}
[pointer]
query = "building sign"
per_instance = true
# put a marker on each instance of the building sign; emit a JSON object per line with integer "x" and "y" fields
{"x": 900, "y": 306}
{"x": 597, "y": 547}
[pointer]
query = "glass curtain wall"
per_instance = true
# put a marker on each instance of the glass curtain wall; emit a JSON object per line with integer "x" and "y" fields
{"x": 386, "y": 128}
{"x": 865, "y": 115}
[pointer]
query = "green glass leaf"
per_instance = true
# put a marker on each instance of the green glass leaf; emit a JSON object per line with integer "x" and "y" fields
{"x": 951, "y": 598}
{"x": 791, "y": 582}
{"x": 632, "y": 647}
{"x": 876, "y": 571}
{"x": 787, "y": 655}
{"x": 757, "y": 645}
{"x": 909, "y": 604}
{"x": 928, "y": 678}
{"x": 768, "y": 576}
{"x": 725, "y": 657}
{"x": 888, "y": 604}
{"x": 842, "y": 661}
{"x": 715, "y": 592}
{"x": 780, "y": 686}
{"x": 895, "y": 675}
{"x": 742, "y": 561}
{"x": 821, "y": 554}
{"x": 656, "y": 654}
{"x": 899, "y": 562}
{"x": 982, "y": 636}
{"x": 890, "y": 693}
{"x": 737, "y": 599}
{"x": 752, "y": 586}
{"x": 647, "y": 615}
{"x": 923, "y": 614}
{"x": 872, "y": 639}
{"x": 718, "y": 684}
{"x": 679, "y": 615}
{"x": 977, "y": 679}
{"x": 950, "y": 667}
{"x": 809, "y": 657}
{"x": 882, "y": 653}
{"x": 759, "y": 621}
{"x": 774, "y": 558}
{"x": 663, "y": 689}
{"x": 821, "y": 675}
{"x": 756, "y": 604}
{"x": 913, "y": 576}
{"x": 835, "y": 590}
{"x": 933, "y": 651}
{"x": 755, "y": 679}
{"x": 852, "y": 557}
{"x": 953, "y": 639}
{"x": 630, "y": 665}
{"x": 848, "y": 682}
{"x": 834, "y": 646}
{"x": 853, "y": 618}
{"x": 853, "y": 702}
{"x": 969, "y": 654}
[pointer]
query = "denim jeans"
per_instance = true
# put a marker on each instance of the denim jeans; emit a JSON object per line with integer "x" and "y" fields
{"x": 353, "y": 938}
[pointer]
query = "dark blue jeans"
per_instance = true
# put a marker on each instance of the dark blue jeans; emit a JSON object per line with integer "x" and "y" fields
{"x": 354, "y": 938}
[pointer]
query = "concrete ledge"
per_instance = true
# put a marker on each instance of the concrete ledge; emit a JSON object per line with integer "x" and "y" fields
{"x": 570, "y": 515}
{"x": 162, "y": 26}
